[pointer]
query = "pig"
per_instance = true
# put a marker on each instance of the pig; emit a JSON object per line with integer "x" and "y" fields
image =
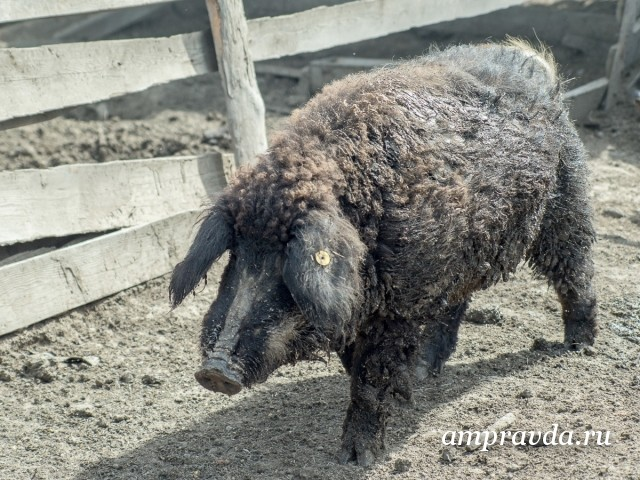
{"x": 379, "y": 209}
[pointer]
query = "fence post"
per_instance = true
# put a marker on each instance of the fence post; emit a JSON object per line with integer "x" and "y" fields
{"x": 245, "y": 107}
{"x": 624, "y": 55}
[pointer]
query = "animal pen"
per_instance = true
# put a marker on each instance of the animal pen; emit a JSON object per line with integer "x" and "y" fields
{"x": 122, "y": 223}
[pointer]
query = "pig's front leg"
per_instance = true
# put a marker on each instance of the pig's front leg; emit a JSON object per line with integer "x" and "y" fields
{"x": 381, "y": 366}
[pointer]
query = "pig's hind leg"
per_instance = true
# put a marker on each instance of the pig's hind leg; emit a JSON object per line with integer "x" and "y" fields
{"x": 381, "y": 366}
{"x": 440, "y": 336}
{"x": 563, "y": 254}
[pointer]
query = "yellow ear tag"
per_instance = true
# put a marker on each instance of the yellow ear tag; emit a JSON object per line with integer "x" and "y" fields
{"x": 322, "y": 258}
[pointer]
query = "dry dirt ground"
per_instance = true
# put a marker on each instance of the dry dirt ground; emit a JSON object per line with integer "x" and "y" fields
{"x": 107, "y": 391}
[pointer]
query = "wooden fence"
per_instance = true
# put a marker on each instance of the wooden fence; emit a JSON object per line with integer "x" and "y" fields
{"x": 150, "y": 206}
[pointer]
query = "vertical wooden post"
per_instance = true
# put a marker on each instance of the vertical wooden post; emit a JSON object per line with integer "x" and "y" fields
{"x": 245, "y": 107}
{"x": 624, "y": 54}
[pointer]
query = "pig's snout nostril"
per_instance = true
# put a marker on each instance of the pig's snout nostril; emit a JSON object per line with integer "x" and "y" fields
{"x": 215, "y": 375}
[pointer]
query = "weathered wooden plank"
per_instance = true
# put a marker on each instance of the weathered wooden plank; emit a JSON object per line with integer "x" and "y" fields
{"x": 73, "y": 199}
{"x": 100, "y": 25}
{"x": 35, "y": 81}
{"x": 585, "y": 98}
{"x": 325, "y": 27}
{"x": 245, "y": 107}
{"x": 15, "y": 10}
{"x": 44, "y": 79}
{"x": 41, "y": 287}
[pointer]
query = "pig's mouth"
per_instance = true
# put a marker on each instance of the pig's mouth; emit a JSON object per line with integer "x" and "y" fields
{"x": 224, "y": 372}
{"x": 217, "y": 375}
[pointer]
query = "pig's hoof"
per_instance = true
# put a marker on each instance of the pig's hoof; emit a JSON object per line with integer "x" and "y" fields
{"x": 574, "y": 346}
{"x": 430, "y": 365}
{"x": 362, "y": 437}
{"x": 363, "y": 457}
{"x": 425, "y": 370}
{"x": 361, "y": 450}
{"x": 577, "y": 338}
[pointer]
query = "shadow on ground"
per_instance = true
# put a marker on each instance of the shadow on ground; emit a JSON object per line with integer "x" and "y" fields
{"x": 291, "y": 430}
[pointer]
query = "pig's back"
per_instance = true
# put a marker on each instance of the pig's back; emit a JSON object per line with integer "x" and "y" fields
{"x": 449, "y": 162}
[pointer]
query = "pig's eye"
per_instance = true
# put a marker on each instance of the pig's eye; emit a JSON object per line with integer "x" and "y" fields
{"x": 322, "y": 258}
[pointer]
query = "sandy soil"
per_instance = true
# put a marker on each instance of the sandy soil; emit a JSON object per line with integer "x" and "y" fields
{"x": 107, "y": 391}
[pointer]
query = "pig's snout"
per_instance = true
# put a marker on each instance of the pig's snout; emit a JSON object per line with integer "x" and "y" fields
{"x": 216, "y": 375}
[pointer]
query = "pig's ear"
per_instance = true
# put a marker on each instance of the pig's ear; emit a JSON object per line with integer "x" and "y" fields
{"x": 214, "y": 237}
{"x": 322, "y": 272}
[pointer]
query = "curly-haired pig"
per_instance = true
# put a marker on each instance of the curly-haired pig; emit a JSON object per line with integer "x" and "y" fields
{"x": 387, "y": 200}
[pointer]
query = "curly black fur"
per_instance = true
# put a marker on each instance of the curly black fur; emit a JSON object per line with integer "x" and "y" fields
{"x": 445, "y": 172}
